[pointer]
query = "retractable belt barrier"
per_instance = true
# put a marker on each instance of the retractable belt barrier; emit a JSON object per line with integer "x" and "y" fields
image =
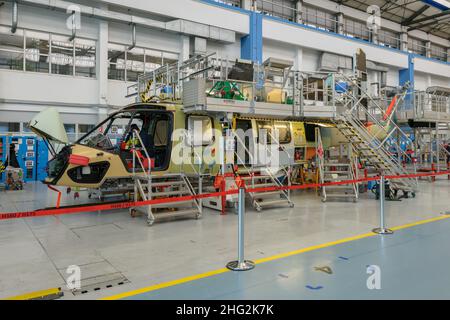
{"x": 129, "y": 204}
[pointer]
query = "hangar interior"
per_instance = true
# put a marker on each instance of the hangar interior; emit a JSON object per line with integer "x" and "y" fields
{"x": 128, "y": 130}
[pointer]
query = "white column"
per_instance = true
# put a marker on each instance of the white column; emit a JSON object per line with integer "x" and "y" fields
{"x": 102, "y": 62}
{"x": 298, "y": 62}
{"x": 340, "y": 23}
{"x": 184, "y": 48}
{"x": 448, "y": 54}
{"x": 428, "y": 49}
{"x": 404, "y": 39}
{"x": 299, "y": 7}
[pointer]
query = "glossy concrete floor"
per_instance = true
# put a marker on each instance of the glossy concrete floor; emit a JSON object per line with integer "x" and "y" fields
{"x": 402, "y": 262}
{"x": 110, "y": 245}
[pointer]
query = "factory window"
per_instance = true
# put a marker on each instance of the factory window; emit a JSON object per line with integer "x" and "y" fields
{"x": 278, "y": 8}
{"x": 234, "y": 3}
{"x": 32, "y": 51}
{"x": 71, "y": 132}
{"x": 416, "y": 46}
{"x": 388, "y": 39}
{"x": 135, "y": 63}
{"x": 36, "y": 51}
{"x": 25, "y": 127}
{"x": 85, "y": 128}
{"x": 314, "y": 17}
{"x": 438, "y": 52}
{"x": 84, "y": 58}
{"x": 11, "y": 49}
{"x": 62, "y": 56}
{"x": 124, "y": 64}
{"x": 116, "y": 58}
{"x": 9, "y": 127}
{"x": 356, "y": 29}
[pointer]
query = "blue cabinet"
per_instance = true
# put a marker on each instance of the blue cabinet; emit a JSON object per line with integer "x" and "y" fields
{"x": 31, "y": 153}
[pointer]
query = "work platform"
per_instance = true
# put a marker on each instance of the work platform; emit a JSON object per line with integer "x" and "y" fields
{"x": 311, "y": 110}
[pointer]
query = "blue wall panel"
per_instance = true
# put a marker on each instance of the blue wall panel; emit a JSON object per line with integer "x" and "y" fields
{"x": 252, "y": 44}
{"x": 407, "y": 75}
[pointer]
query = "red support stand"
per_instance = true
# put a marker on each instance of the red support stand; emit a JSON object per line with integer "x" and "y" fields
{"x": 58, "y": 201}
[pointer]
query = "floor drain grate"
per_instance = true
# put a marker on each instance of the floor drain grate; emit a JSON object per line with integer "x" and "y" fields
{"x": 100, "y": 283}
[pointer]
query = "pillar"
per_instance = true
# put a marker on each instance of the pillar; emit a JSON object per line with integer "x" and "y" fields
{"x": 184, "y": 48}
{"x": 299, "y": 11}
{"x": 407, "y": 75}
{"x": 101, "y": 61}
{"x": 403, "y": 40}
{"x": 428, "y": 49}
{"x": 340, "y": 23}
{"x": 252, "y": 44}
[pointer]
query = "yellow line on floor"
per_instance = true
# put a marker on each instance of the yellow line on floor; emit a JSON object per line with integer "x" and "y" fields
{"x": 37, "y": 294}
{"x": 166, "y": 284}
{"x": 271, "y": 258}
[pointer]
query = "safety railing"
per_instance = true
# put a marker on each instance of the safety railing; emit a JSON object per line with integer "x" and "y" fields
{"x": 431, "y": 105}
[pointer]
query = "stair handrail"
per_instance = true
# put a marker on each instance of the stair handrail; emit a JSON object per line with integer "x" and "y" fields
{"x": 349, "y": 116}
{"x": 319, "y": 160}
{"x": 288, "y": 171}
{"x": 372, "y": 118}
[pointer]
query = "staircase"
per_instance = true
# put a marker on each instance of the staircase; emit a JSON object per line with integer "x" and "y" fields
{"x": 373, "y": 152}
{"x": 263, "y": 178}
{"x": 150, "y": 187}
{"x": 366, "y": 142}
{"x": 167, "y": 186}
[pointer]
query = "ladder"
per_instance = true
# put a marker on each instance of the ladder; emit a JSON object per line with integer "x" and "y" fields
{"x": 148, "y": 186}
{"x": 262, "y": 176}
{"x": 167, "y": 186}
{"x": 334, "y": 171}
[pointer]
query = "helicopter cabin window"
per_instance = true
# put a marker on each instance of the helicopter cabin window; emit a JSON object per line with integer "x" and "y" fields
{"x": 277, "y": 130}
{"x": 284, "y": 131}
{"x": 161, "y": 133}
{"x": 201, "y": 131}
{"x": 264, "y": 130}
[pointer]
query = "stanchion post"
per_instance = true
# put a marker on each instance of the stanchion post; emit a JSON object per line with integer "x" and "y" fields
{"x": 382, "y": 229}
{"x": 241, "y": 264}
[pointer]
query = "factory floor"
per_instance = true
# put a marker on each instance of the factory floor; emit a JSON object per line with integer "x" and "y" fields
{"x": 121, "y": 257}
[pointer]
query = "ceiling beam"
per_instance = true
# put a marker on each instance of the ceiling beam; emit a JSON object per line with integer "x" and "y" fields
{"x": 415, "y": 15}
{"x": 427, "y": 24}
{"x": 437, "y": 15}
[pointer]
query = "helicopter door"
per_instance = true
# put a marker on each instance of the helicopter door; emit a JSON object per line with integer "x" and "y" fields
{"x": 159, "y": 142}
{"x": 244, "y": 130}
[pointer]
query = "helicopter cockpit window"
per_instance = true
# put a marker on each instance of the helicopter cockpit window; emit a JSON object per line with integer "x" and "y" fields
{"x": 109, "y": 133}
